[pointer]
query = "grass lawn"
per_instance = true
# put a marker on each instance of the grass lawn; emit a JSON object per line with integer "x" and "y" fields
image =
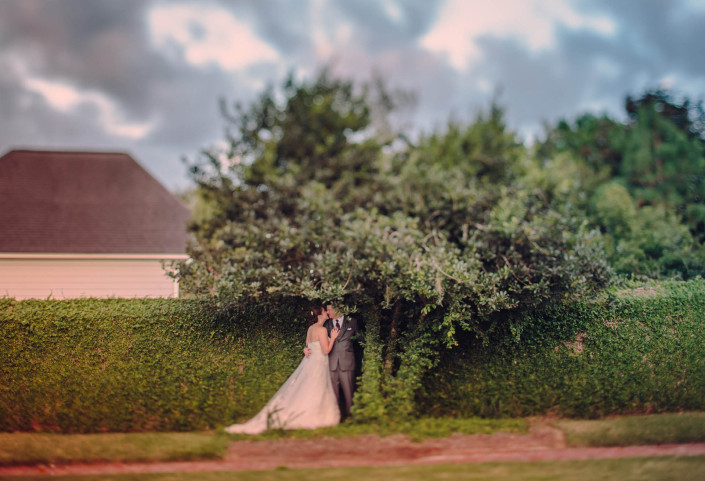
{"x": 417, "y": 429}
{"x": 634, "y": 430}
{"x": 35, "y": 448}
{"x": 636, "y": 469}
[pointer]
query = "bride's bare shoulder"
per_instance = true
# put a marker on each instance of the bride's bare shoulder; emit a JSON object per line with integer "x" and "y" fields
{"x": 314, "y": 331}
{"x": 317, "y": 330}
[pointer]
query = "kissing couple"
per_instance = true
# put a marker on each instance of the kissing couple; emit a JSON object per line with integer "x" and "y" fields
{"x": 311, "y": 396}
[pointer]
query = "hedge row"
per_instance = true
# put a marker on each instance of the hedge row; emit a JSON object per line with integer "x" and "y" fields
{"x": 139, "y": 365}
{"x": 166, "y": 365}
{"x": 639, "y": 349}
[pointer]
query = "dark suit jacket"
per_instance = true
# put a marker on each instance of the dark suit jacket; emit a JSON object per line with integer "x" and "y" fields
{"x": 342, "y": 356}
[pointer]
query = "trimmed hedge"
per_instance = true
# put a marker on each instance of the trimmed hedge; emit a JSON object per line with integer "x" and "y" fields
{"x": 639, "y": 349}
{"x": 90, "y": 365}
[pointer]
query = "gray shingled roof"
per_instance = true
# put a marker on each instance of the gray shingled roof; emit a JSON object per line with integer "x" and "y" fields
{"x": 86, "y": 202}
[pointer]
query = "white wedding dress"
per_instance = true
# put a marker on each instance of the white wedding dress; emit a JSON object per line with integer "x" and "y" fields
{"x": 305, "y": 400}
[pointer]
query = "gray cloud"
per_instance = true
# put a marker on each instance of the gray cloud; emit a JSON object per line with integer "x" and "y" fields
{"x": 590, "y": 71}
{"x": 539, "y": 86}
{"x": 662, "y": 36}
{"x": 25, "y": 117}
{"x": 94, "y": 45}
{"x": 104, "y": 46}
{"x": 285, "y": 25}
{"x": 398, "y": 25}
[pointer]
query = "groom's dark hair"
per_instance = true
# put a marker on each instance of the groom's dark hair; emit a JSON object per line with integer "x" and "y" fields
{"x": 314, "y": 313}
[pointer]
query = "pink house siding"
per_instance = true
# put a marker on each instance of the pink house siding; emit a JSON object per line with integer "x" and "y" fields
{"x": 86, "y": 224}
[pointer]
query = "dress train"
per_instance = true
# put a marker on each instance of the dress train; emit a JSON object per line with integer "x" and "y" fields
{"x": 305, "y": 400}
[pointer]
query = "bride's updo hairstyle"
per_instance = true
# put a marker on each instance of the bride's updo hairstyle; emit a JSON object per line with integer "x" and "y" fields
{"x": 313, "y": 314}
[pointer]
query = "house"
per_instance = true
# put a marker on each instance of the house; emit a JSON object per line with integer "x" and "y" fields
{"x": 86, "y": 224}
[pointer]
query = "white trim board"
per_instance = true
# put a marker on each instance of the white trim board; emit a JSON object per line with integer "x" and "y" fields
{"x": 42, "y": 255}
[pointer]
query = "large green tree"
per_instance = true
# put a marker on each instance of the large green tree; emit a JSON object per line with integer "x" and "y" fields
{"x": 314, "y": 200}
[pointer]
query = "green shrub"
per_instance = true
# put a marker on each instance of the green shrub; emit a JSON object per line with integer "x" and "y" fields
{"x": 140, "y": 365}
{"x": 637, "y": 349}
{"x": 117, "y": 365}
{"x": 671, "y": 428}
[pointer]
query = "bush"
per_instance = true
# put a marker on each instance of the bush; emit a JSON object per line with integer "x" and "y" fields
{"x": 117, "y": 365}
{"x": 140, "y": 365}
{"x": 637, "y": 349}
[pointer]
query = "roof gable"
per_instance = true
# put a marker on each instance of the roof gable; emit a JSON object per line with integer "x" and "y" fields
{"x": 86, "y": 202}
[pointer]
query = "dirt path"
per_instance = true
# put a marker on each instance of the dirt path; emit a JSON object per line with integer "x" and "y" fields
{"x": 542, "y": 443}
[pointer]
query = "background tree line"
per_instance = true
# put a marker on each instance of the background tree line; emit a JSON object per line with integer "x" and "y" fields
{"x": 643, "y": 182}
{"x": 463, "y": 235}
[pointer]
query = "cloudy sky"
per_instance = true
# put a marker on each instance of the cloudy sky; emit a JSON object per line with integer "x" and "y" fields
{"x": 145, "y": 76}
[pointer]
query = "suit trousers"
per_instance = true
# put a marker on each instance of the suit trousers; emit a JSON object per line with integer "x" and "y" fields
{"x": 343, "y": 380}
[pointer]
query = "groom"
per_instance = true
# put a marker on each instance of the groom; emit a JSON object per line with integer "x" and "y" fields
{"x": 341, "y": 359}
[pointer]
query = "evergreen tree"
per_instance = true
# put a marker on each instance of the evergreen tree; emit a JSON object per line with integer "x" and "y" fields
{"x": 652, "y": 166}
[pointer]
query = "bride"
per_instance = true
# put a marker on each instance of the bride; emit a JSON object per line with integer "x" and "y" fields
{"x": 305, "y": 400}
